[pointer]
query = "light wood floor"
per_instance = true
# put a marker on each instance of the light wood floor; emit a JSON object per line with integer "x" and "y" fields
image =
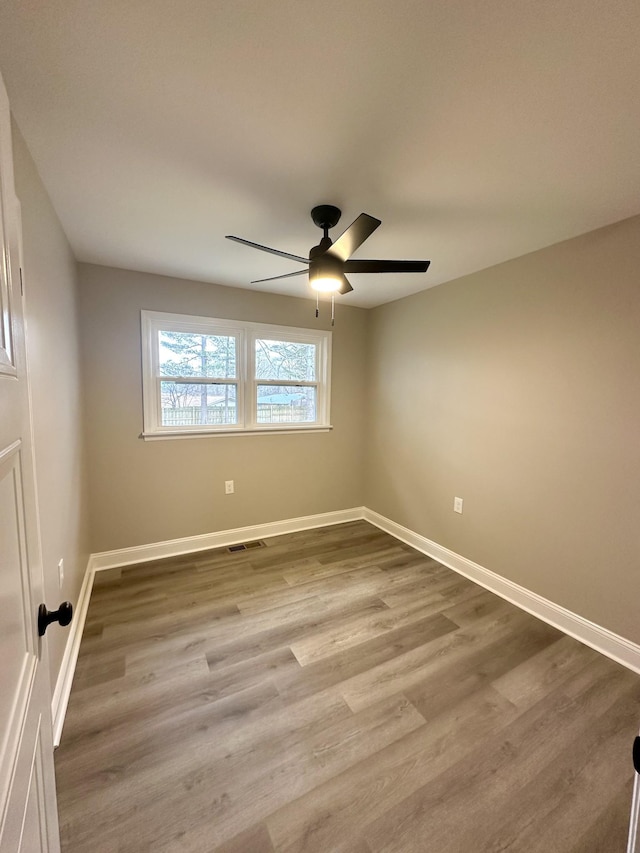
{"x": 336, "y": 691}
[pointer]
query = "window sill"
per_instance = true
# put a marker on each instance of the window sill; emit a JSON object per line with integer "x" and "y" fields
{"x": 179, "y": 434}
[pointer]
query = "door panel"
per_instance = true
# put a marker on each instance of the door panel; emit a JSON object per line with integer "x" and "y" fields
{"x": 27, "y": 829}
{"x": 33, "y": 840}
{"x": 17, "y": 648}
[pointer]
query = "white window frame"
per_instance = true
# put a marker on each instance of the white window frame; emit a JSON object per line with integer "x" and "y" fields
{"x": 246, "y": 334}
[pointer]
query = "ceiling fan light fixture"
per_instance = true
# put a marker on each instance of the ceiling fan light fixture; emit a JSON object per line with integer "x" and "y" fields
{"x": 325, "y": 273}
{"x": 325, "y": 283}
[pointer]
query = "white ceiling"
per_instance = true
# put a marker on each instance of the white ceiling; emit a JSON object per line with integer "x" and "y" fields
{"x": 477, "y": 131}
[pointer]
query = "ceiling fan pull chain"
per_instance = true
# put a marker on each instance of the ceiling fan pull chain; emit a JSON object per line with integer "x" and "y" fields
{"x": 317, "y": 304}
{"x": 333, "y": 309}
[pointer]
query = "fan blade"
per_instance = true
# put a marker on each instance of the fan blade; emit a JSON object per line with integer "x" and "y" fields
{"x": 354, "y": 236}
{"x": 267, "y": 249}
{"x": 276, "y": 277}
{"x": 385, "y": 266}
{"x": 345, "y": 287}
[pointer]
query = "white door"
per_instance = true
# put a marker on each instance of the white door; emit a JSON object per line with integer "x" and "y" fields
{"x": 28, "y": 817}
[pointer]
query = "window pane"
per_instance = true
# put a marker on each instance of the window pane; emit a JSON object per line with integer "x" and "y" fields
{"x": 285, "y": 360}
{"x": 286, "y": 404}
{"x": 197, "y": 404}
{"x": 188, "y": 354}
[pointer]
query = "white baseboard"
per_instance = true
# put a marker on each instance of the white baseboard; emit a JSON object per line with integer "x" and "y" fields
{"x": 60, "y": 698}
{"x": 612, "y": 645}
{"x": 602, "y": 640}
{"x": 221, "y": 539}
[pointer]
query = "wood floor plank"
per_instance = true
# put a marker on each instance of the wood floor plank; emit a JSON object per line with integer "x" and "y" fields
{"x": 606, "y": 827}
{"x": 576, "y": 775}
{"x": 335, "y": 690}
{"x": 328, "y": 566}
{"x": 253, "y": 840}
{"x": 117, "y": 704}
{"x": 250, "y": 791}
{"x": 441, "y": 687}
{"x": 401, "y": 591}
{"x": 240, "y": 746}
{"x": 351, "y": 740}
{"x": 253, "y": 671}
{"x": 531, "y": 680}
{"x": 287, "y": 625}
{"x": 522, "y": 768}
{"x": 338, "y": 637}
{"x": 340, "y": 667}
{"x": 136, "y": 763}
{"x": 472, "y": 608}
{"x": 155, "y": 628}
{"x": 409, "y": 670}
{"x": 256, "y": 793}
{"x": 367, "y": 581}
{"x": 98, "y": 666}
{"x": 333, "y": 814}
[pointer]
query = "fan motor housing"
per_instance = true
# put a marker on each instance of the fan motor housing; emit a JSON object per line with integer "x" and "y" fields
{"x": 325, "y": 265}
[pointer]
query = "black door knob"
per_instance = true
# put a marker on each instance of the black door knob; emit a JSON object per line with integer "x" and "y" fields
{"x": 63, "y": 615}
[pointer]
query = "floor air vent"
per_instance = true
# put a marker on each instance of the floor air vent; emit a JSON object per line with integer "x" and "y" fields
{"x": 245, "y": 546}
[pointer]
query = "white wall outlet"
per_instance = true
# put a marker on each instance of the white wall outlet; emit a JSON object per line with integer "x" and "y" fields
{"x": 457, "y": 505}
{"x": 61, "y": 571}
{"x": 228, "y": 487}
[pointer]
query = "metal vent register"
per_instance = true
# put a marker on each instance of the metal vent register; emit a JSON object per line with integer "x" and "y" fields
{"x": 245, "y": 546}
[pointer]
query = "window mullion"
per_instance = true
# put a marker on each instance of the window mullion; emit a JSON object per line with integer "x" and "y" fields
{"x": 250, "y": 381}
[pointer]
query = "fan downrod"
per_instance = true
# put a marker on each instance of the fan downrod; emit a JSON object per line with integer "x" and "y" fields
{"x": 326, "y": 216}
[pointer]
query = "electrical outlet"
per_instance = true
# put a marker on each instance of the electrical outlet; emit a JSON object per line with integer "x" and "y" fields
{"x": 457, "y": 505}
{"x": 61, "y": 571}
{"x": 228, "y": 487}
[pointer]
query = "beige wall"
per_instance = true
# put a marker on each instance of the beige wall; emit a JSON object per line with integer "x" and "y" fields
{"x": 518, "y": 389}
{"x": 151, "y": 491}
{"x": 54, "y": 368}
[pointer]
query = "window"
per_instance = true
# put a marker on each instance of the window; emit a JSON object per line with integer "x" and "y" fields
{"x": 202, "y": 375}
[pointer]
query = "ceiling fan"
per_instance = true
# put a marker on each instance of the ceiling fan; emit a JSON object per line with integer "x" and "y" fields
{"x": 328, "y": 261}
